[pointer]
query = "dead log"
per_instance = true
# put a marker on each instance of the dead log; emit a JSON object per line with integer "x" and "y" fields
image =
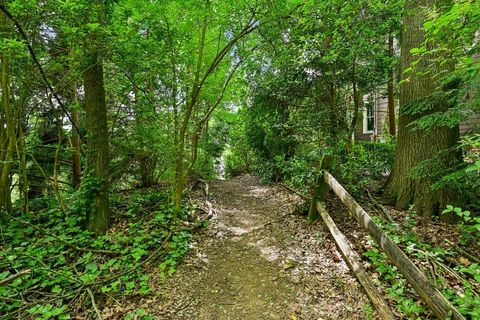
{"x": 439, "y": 305}
{"x": 353, "y": 261}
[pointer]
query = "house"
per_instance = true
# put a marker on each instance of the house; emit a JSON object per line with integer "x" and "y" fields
{"x": 373, "y": 119}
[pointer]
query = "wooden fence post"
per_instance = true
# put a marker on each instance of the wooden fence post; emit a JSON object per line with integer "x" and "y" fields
{"x": 321, "y": 188}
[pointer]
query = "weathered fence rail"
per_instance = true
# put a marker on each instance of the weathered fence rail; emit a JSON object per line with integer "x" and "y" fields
{"x": 436, "y": 302}
{"x": 353, "y": 261}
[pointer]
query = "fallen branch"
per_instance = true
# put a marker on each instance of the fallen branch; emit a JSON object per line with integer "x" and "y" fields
{"x": 102, "y": 251}
{"x": 210, "y": 211}
{"x": 94, "y": 305}
{"x": 298, "y": 193}
{"x": 15, "y": 276}
{"x": 382, "y": 208}
{"x": 455, "y": 274}
{"x": 205, "y": 189}
{"x": 463, "y": 252}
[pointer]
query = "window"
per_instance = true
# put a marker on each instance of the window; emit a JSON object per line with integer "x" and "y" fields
{"x": 369, "y": 118}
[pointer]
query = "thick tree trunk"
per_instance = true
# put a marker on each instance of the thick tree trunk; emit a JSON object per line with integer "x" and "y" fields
{"x": 416, "y": 146}
{"x": 97, "y": 147}
{"x": 97, "y": 154}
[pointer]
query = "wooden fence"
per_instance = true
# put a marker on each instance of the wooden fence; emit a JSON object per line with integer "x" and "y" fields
{"x": 437, "y": 303}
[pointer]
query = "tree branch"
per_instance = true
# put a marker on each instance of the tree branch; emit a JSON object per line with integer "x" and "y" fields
{"x": 94, "y": 305}
{"x": 15, "y": 276}
{"x": 39, "y": 66}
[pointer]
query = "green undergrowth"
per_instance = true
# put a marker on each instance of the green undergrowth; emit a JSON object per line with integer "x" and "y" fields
{"x": 68, "y": 263}
{"x": 438, "y": 263}
{"x": 366, "y": 167}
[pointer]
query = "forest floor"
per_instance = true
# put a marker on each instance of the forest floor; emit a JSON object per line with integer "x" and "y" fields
{"x": 258, "y": 259}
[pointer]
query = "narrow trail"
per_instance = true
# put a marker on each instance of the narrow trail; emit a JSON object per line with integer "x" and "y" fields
{"x": 258, "y": 260}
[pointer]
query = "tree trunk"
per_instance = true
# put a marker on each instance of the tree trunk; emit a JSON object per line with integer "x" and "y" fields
{"x": 390, "y": 93}
{"x": 97, "y": 154}
{"x": 415, "y": 146}
{"x": 148, "y": 164}
{"x": 180, "y": 173}
{"x": 8, "y": 137}
{"x": 22, "y": 172}
{"x": 75, "y": 139}
{"x": 357, "y": 102}
{"x": 56, "y": 161}
{"x": 20, "y": 145}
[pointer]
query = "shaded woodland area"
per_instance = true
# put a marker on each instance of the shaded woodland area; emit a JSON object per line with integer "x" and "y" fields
{"x": 117, "y": 115}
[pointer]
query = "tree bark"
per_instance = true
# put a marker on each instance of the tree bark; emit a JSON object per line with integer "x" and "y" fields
{"x": 97, "y": 154}
{"x": 416, "y": 146}
{"x": 8, "y": 137}
{"x": 6, "y": 123}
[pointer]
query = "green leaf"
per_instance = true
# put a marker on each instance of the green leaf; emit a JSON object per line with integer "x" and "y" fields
{"x": 105, "y": 289}
{"x": 448, "y": 209}
{"x": 56, "y": 289}
{"x": 93, "y": 26}
{"x": 130, "y": 285}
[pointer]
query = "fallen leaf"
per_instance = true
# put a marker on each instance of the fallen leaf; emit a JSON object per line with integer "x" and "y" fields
{"x": 465, "y": 261}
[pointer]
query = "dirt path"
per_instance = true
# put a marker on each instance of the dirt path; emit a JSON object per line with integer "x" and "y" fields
{"x": 258, "y": 260}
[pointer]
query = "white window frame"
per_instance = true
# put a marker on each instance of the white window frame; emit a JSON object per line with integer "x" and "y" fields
{"x": 365, "y": 117}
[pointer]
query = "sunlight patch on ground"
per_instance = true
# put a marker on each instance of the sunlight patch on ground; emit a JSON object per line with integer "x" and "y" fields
{"x": 258, "y": 192}
{"x": 238, "y": 231}
{"x": 270, "y": 253}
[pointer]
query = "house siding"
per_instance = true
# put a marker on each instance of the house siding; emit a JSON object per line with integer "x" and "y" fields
{"x": 381, "y": 119}
{"x": 471, "y": 125}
